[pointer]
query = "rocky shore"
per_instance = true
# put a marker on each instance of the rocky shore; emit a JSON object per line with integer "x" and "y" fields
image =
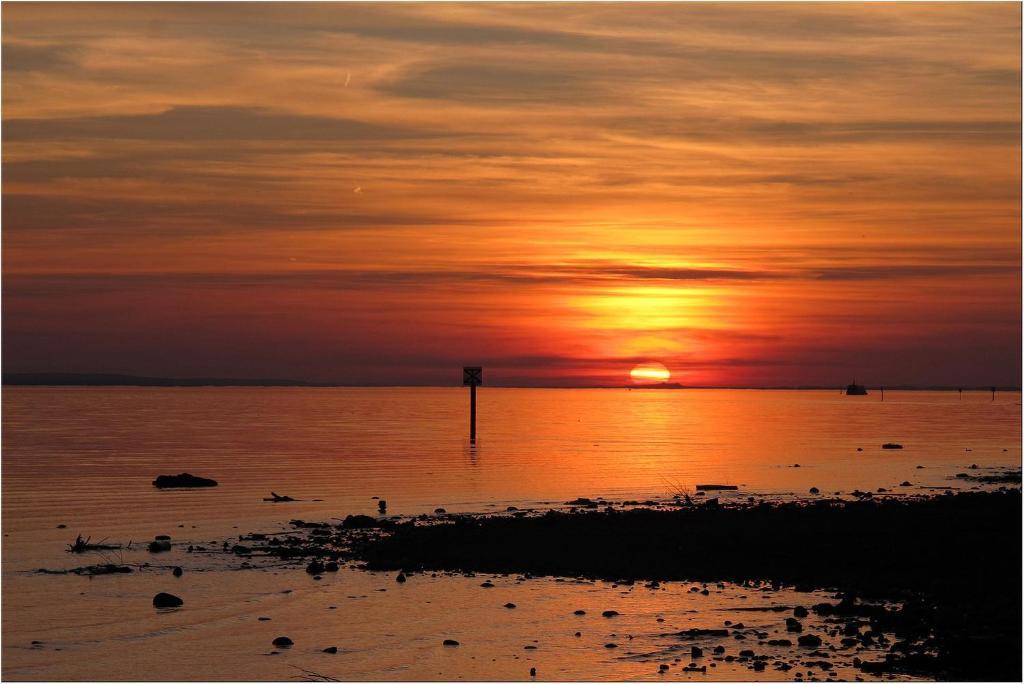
{"x": 941, "y": 573}
{"x": 926, "y": 586}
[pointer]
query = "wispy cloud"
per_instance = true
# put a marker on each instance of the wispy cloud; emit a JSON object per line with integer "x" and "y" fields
{"x": 732, "y": 187}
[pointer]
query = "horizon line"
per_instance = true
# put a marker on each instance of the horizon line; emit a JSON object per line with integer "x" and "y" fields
{"x": 63, "y": 379}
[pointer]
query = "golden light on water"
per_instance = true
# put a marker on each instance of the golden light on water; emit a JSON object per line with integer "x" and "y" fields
{"x": 650, "y": 373}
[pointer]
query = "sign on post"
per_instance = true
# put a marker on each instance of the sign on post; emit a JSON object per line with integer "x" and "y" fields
{"x": 472, "y": 376}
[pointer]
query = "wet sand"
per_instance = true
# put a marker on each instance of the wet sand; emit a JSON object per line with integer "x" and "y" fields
{"x": 389, "y": 629}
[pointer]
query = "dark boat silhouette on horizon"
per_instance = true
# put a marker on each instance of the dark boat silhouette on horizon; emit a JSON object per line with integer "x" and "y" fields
{"x": 855, "y": 390}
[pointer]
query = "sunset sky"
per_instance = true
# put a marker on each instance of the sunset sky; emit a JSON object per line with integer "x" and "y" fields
{"x": 750, "y": 194}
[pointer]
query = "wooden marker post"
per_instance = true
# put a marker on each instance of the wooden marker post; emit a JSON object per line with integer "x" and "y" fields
{"x": 993, "y": 394}
{"x": 882, "y": 389}
{"x": 472, "y": 376}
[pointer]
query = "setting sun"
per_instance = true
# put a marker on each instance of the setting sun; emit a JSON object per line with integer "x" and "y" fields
{"x": 649, "y": 373}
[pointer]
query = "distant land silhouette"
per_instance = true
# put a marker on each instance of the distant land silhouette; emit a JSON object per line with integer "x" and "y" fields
{"x": 124, "y": 380}
{"x": 114, "y": 379}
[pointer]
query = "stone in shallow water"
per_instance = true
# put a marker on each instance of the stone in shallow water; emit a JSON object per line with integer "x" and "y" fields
{"x": 183, "y": 480}
{"x": 809, "y": 640}
{"x": 165, "y": 600}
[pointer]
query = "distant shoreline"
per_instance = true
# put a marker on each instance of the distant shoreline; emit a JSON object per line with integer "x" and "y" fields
{"x": 122, "y": 380}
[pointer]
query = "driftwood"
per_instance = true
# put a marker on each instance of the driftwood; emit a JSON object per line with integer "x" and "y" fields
{"x": 89, "y": 570}
{"x": 82, "y": 545}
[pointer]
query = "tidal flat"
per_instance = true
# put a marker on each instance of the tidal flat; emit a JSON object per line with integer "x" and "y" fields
{"x": 828, "y": 589}
{"x": 80, "y": 463}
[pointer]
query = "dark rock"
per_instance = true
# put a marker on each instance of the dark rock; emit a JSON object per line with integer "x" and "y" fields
{"x": 814, "y": 490}
{"x": 510, "y": 605}
{"x": 177, "y": 572}
{"x": 183, "y": 480}
{"x": 611, "y": 645}
{"x": 331, "y": 567}
{"x": 800, "y": 612}
{"x": 449, "y": 642}
{"x": 696, "y": 652}
{"x": 314, "y": 568}
{"x": 283, "y": 642}
{"x": 354, "y": 522}
{"x": 487, "y": 585}
{"x": 400, "y": 578}
{"x": 809, "y": 640}
{"x": 439, "y": 510}
{"x": 609, "y": 613}
{"x": 759, "y": 666}
{"x": 331, "y": 649}
{"x": 700, "y": 633}
{"x": 162, "y": 537}
{"x": 904, "y": 484}
{"x": 382, "y": 506}
{"x": 159, "y": 546}
{"x": 892, "y": 445}
{"x": 579, "y": 612}
{"x": 164, "y": 600}
{"x": 533, "y": 672}
{"x": 716, "y": 488}
{"x": 793, "y": 625}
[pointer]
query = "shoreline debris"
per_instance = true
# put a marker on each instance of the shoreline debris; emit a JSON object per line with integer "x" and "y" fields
{"x": 81, "y": 545}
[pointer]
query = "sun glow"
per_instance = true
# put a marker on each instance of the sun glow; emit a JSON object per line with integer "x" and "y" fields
{"x": 647, "y": 373}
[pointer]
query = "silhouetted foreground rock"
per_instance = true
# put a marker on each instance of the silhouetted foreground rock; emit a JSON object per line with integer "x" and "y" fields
{"x": 164, "y": 600}
{"x": 183, "y": 480}
{"x": 953, "y": 560}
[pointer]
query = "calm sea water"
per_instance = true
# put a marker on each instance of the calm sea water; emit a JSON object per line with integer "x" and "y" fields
{"x": 85, "y": 458}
